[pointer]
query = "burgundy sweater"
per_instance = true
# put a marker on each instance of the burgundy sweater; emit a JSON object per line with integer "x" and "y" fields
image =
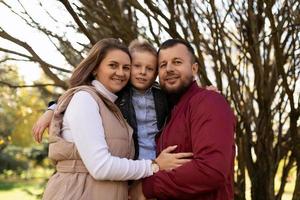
{"x": 203, "y": 123}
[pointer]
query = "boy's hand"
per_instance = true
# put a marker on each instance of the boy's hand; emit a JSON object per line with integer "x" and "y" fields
{"x": 212, "y": 88}
{"x": 41, "y": 124}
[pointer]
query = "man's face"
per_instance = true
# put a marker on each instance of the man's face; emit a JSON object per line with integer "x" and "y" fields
{"x": 176, "y": 70}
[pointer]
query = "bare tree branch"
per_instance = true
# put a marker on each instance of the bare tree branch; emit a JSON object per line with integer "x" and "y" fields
{"x": 78, "y": 21}
{"x": 24, "y": 86}
{"x": 44, "y": 65}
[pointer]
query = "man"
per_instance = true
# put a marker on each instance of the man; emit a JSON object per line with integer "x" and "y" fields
{"x": 201, "y": 122}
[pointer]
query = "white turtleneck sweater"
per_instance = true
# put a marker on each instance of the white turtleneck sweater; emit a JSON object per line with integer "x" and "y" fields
{"x": 82, "y": 125}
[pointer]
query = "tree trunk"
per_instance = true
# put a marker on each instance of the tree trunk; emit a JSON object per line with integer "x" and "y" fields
{"x": 263, "y": 181}
{"x": 263, "y": 189}
{"x": 296, "y": 195}
{"x": 240, "y": 182}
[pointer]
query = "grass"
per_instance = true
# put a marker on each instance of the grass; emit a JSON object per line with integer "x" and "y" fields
{"x": 27, "y": 186}
{"x": 20, "y": 190}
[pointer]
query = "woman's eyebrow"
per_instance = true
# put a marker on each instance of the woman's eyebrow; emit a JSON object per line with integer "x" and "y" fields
{"x": 113, "y": 61}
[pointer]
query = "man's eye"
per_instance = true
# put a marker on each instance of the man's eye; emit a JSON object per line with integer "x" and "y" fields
{"x": 136, "y": 66}
{"x": 177, "y": 62}
{"x": 162, "y": 65}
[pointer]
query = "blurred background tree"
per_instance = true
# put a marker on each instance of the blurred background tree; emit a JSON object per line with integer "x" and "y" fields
{"x": 18, "y": 108}
{"x": 249, "y": 49}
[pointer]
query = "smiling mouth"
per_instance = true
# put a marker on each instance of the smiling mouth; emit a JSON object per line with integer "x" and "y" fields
{"x": 171, "y": 78}
{"x": 118, "y": 80}
{"x": 141, "y": 79}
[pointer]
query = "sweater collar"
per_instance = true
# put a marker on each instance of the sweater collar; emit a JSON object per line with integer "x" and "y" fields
{"x": 104, "y": 91}
{"x": 190, "y": 90}
{"x": 187, "y": 94}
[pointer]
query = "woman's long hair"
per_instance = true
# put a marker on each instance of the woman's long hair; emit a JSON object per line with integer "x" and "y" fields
{"x": 83, "y": 73}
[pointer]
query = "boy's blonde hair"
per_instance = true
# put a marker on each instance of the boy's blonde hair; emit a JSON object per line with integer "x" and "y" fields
{"x": 142, "y": 46}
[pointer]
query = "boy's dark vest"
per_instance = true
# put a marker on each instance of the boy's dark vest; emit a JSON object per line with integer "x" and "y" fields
{"x": 124, "y": 102}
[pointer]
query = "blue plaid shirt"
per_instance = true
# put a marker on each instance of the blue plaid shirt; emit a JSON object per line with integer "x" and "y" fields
{"x": 144, "y": 107}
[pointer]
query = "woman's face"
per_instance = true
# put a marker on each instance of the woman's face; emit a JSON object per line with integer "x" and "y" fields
{"x": 114, "y": 70}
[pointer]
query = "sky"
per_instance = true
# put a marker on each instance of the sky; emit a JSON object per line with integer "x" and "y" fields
{"x": 40, "y": 43}
{"x": 16, "y": 27}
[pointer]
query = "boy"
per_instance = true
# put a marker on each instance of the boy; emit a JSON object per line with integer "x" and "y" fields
{"x": 142, "y": 102}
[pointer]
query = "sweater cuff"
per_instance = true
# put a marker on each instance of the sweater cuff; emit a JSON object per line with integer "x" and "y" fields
{"x": 148, "y": 187}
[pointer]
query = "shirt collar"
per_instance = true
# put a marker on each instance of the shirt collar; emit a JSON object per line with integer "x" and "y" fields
{"x": 104, "y": 91}
{"x": 137, "y": 92}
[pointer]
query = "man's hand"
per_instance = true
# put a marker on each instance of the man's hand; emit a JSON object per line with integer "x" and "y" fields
{"x": 136, "y": 191}
{"x": 41, "y": 124}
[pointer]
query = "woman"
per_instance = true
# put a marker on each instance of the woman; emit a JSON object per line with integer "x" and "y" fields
{"x": 90, "y": 141}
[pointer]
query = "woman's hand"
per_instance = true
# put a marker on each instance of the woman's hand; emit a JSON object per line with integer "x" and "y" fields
{"x": 168, "y": 161}
{"x": 41, "y": 124}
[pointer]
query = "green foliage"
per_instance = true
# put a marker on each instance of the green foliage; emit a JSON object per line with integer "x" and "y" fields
{"x": 12, "y": 158}
{"x": 7, "y": 107}
{"x": 38, "y": 154}
{"x": 28, "y": 108}
{"x": 19, "y": 108}
{"x": 15, "y": 159}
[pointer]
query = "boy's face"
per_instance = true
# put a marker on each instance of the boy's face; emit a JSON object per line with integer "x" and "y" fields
{"x": 143, "y": 70}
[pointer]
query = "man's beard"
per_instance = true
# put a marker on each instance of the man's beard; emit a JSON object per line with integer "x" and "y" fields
{"x": 173, "y": 96}
{"x": 180, "y": 90}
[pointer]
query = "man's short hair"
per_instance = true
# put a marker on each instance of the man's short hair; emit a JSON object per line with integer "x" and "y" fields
{"x": 138, "y": 45}
{"x": 172, "y": 42}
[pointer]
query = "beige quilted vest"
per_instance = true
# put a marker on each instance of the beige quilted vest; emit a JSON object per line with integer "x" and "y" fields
{"x": 72, "y": 180}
